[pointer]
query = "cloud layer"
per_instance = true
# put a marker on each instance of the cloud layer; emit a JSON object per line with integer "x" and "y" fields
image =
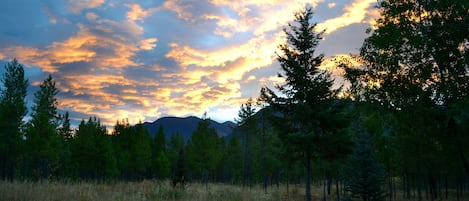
{"x": 141, "y": 60}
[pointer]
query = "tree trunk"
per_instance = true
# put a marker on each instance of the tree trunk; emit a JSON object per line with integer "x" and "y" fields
{"x": 446, "y": 186}
{"x": 464, "y": 161}
{"x": 337, "y": 189}
{"x": 419, "y": 184}
{"x": 324, "y": 196}
{"x": 308, "y": 178}
{"x": 390, "y": 184}
{"x": 245, "y": 160}
{"x": 264, "y": 160}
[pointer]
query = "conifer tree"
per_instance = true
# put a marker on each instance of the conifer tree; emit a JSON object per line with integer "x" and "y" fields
{"x": 203, "y": 151}
{"x": 302, "y": 112}
{"x": 365, "y": 176}
{"x": 248, "y": 125}
{"x": 13, "y": 108}
{"x": 42, "y": 130}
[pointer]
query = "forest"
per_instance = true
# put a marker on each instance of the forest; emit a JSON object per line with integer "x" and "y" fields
{"x": 398, "y": 130}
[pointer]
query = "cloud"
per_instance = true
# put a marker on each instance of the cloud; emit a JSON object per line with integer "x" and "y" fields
{"x": 136, "y": 13}
{"x": 148, "y": 44}
{"x": 77, "y": 6}
{"x": 147, "y": 59}
{"x": 354, "y": 13}
{"x": 182, "y": 8}
{"x": 102, "y": 43}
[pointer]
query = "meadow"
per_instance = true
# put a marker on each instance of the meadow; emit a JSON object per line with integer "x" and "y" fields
{"x": 141, "y": 191}
{"x": 155, "y": 190}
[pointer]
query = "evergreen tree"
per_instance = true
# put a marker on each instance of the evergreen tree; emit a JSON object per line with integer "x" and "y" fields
{"x": 160, "y": 162}
{"x": 203, "y": 151}
{"x": 42, "y": 130}
{"x": 304, "y": 113}
{"x": 133, "y": 148}
{"x": 93, "y": 151}
{"x": 248, "y": 126}
{"x": 176, "y": 143}
{"x": 233, "y": 160}
{"x": 415, "y": 65}
{"x": 180, "y": 172}
{"x": 64, "y": 164}
{"x": 163, "y": 167}
{"x": 12, "y": 110}
{"x": 365, "y": 176}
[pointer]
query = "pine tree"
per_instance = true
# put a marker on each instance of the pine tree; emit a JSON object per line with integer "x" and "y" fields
{"x": 41, "y": 130}
{"x": 248, "y": 126}
{"x": 233, "y": 160}
{"x": 160, "y": 162}
{"x": 203, "y": 152}
{"x": 163, "y": 167}
{"x": 302, "y": 112}
{"x": 93, "y": 151}
{"x": 12, "y": 110}
{"x": 365, "y": 177}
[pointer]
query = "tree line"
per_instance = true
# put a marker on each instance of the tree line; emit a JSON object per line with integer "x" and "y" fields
{"x": 399, "y": 129}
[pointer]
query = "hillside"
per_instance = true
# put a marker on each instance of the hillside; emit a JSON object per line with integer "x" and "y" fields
{"x": 186, "y": 126}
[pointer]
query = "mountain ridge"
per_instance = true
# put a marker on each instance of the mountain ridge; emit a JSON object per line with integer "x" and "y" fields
{"x": 186, "y": 126}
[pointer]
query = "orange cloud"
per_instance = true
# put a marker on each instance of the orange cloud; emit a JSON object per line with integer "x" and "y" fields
{"x": 181, "y": 8}
{"x": 77, "y": 6}
{"x": 136, "y": 13}
{"x": 355, "y": 13}
{"x": 148, "y": 44}
{"x": 83, "y": 46}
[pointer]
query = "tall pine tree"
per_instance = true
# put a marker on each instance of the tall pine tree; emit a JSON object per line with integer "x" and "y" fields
{"x": 306, "y": 91}
{"x": 42, "y": 130}
{"x": 12, "y": 110}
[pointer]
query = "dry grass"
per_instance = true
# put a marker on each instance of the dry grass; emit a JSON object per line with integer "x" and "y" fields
{"x": 139, "y": 191}
{"x": 151, "y": 190}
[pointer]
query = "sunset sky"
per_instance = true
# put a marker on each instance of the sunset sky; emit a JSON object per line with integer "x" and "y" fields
{"x": 147, "y": 59}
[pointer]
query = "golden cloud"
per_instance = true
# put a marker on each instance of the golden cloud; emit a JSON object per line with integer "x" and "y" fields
{"x": 77, "y": 6}
{"x": 136, "y": 13}
{"x": 83, "y": 47}
{"x": 148, "y": 44}
{"x": 355, "y": 13}
{"x": 180, "y": 7}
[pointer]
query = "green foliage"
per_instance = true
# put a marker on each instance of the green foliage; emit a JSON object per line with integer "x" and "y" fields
{"x": 415, "y": 69}
{"x": 134, "y": 152}
{"x": 305, "y": 114}
{"x": 93, "y": 152}
{"x": 364, "y": 176}
{"x": 12, "y": 110}
{"x": 41, "y": 135}
{"x": 247, "y": 123}
{"x": 233, "y": 160}
{"x": 160, "y": 162}
{"x": 203, "y": 151}
{"x": 163, "y": 166}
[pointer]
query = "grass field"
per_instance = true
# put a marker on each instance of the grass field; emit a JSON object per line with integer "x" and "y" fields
{"x": 140, "y": 191}
{"x": 149, "y": 191}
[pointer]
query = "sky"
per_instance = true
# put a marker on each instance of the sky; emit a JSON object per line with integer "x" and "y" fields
{"x": 146, "y": 59}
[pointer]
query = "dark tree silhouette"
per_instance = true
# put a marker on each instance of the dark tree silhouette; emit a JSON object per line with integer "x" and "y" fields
{"x": 42, "y": 130}
{"x": 304, "y": 110}
{"x": 12, "y": 110}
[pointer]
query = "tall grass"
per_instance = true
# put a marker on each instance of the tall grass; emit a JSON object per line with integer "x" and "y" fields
{"x": 152, "y": 190}
{"x": 138, "y": 191}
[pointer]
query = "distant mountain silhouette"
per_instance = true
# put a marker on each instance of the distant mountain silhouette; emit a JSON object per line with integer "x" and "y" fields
{"x": 186, "y": 126}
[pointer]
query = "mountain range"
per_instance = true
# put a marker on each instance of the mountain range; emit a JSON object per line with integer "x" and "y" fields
{"x": 186, "y": 126}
